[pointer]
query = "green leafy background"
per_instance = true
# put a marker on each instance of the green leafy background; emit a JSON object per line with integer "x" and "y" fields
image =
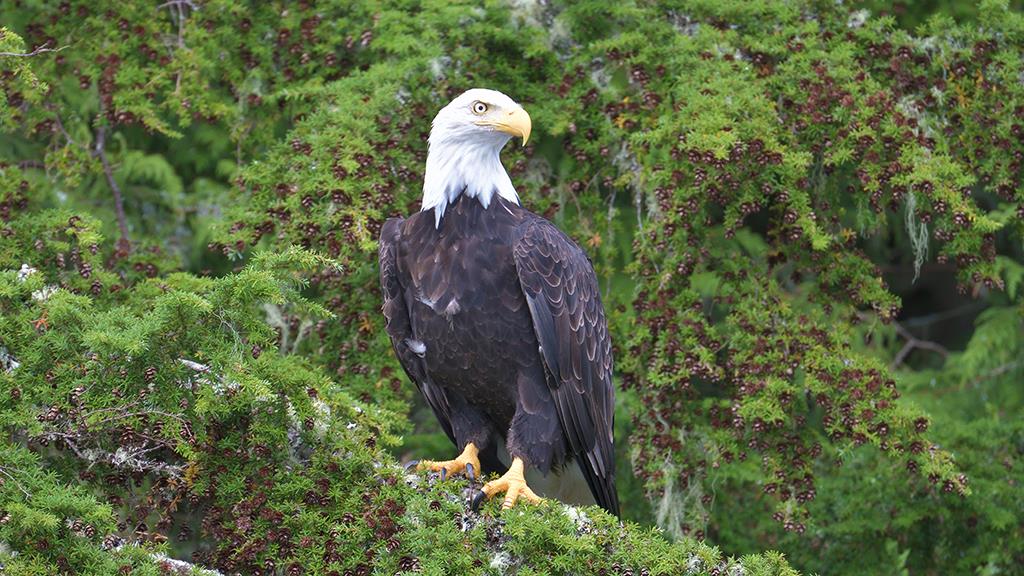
{"x": 805, "y": 217}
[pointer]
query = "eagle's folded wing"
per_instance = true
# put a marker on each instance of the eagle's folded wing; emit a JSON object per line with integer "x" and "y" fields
{"x": 561, "y": 290}
{"x": 399, "y": 328}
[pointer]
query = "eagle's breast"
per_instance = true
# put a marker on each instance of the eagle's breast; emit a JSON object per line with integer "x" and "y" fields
{"x": 467, "y": 308}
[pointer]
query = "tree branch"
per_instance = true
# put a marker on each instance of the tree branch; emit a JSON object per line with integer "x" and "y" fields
{"x": 179, "y": 7}
{"x": 14, "y": 480}
{"x": 178, "y": 3}
{"x": 122, "y": 459}
{"x": 937, "y": 317}
{"x": 912, "y": 343}
{"x": 180, "y": 567}
{"x": 167, "y": 564}
{"x": 60, "y": 126}
{"x": 42, "y": 48}
{"x": 122, "y": 222}
{"x": 996, "y": 372}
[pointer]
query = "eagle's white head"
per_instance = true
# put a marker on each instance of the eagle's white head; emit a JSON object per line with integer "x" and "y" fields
{"x": 465, "y": 140}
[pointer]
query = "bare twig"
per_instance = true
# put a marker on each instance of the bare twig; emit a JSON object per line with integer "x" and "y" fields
{"x": 996, "y": 372}
{"x": 937, "y": 317}
{"x": 912, "y": 343}
{"x": 109, "y": 409}
{"x": 60, "y": 126}
{"x": 958, "y": 386}
{"x": 14, "y": 480}
{"x": 181, "y": 26}
{"x": 185, "y": 426}
{"x": 178, "y": 3}
{"x": 178, "y": 13}
{"x": 41, "y": 49}
{"x": 117, "y": 417}
{"x": 100, "y": 151}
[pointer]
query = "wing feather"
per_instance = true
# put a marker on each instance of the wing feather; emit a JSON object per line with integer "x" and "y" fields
{"x": 399, "y": 326}
{"x": 562, "y": 293}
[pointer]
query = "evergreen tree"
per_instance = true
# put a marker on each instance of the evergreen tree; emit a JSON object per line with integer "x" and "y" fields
{"x": 806, "y": 218}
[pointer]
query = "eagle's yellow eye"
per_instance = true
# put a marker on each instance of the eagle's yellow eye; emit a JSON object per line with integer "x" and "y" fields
{"x": 479, "y": 108}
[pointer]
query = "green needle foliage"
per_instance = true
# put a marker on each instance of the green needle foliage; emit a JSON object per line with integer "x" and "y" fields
{"x": 781, "y": 199}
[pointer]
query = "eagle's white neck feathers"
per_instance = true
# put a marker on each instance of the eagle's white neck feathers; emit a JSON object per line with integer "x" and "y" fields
{"x": 463, "y": 155}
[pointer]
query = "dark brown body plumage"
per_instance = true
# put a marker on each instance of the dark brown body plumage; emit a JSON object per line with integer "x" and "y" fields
{"x": 496, "y": 316}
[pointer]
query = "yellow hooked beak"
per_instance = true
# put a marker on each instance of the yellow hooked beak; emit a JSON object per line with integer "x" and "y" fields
{"x": 515, "y": 122}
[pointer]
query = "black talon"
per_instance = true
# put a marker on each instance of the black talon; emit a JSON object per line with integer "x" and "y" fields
{"x": 469, "y": 472}
{"x": 477, "y": 500}
{"x": 412, "y": 464}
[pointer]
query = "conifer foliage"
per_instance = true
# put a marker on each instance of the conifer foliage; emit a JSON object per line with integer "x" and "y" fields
{"x": 192, "y": 360}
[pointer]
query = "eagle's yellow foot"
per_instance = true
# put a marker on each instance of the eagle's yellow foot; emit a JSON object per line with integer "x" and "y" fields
{"x": 467, "y": 461}
{"x": 513, "y": 484}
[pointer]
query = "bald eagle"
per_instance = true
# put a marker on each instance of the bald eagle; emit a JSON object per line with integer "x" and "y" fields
{"x": 496, "y": 316}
